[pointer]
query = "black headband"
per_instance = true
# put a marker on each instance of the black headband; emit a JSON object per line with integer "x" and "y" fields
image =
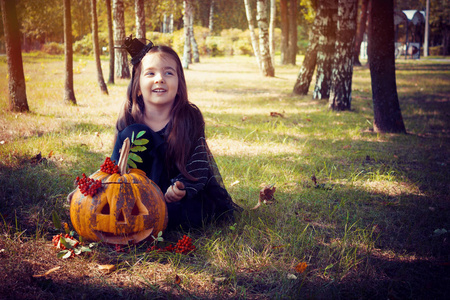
{"x": 136, "y": 49}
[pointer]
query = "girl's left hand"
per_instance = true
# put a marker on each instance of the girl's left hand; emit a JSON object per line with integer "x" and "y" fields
{"x": 175, "y": 192}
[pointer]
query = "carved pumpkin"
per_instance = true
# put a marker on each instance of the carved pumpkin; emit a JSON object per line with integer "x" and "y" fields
{"x": 127, "y": 209}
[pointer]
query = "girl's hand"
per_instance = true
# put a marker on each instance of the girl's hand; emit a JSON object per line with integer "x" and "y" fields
{"x": 175, "y": 192}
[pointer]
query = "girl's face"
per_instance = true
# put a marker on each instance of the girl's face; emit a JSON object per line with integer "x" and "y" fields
{"x": 158, "y": 81}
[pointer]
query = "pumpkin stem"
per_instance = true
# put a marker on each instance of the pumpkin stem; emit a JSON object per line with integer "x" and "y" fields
{"x": 123, "y": 158}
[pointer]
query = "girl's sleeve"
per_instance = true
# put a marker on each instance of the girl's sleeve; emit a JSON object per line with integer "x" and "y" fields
{"x": 198, "y": 167}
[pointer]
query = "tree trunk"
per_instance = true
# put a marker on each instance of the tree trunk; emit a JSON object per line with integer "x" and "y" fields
{"x": 16, "y": 78}
{"x": 292, "y": 16}
{"x": 187, "y": 53}
{"x": 211, "y": 17}
{"x": 264, "y": 47}
{"x": 326, "y": 50}
{"x": 306, "y": 72}
{"x": 110, "y": 42}
{"x": 139, "y": 11}
{"x": 98, "y": 64}
{"x": 341, "y": 89}
{"x": 273, "y": 15}
{"x": 69, "y": 93}
{"x": 386, "y": 107}
{"x": 251, "y": 27}
{"x": 194, "y": 45}
{"x": 284, "y": 32}
{"x": 121, "y": 61}
{"x": 360, "y": 32}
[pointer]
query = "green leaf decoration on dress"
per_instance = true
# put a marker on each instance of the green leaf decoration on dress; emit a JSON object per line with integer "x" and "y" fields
{"x": 137, "y": 145}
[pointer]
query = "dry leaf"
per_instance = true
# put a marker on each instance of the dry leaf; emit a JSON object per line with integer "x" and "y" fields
{"x": 50, "y": 154}
{"x": 300, "y": 267}
{"x": 234, "y": 183}
{"x": 266, "y": 195}
{"x": 276, "y": 114}
{"x": 291, "y": 276}
{"x": 48, "y": 272}
{"x": 177, "y": 279}
{"x": 107, "y": 268}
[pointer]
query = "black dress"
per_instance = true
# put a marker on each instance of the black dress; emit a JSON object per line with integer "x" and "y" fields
{"x": 206, "y": 198}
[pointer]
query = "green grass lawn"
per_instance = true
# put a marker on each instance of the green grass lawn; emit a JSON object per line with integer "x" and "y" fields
{"x": 373, "y": 226}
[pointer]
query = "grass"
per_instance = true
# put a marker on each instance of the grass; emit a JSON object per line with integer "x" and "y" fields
{"x": 369, "y": 229}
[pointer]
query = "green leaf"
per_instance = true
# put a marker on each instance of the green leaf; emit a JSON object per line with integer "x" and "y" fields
{"x": 131, "y": 164}
{"x": 138, "y": 149}
{"x": 141, "y": 142}
{"x": 85, "y": 249}
{"x": 141, "y": 133}
{"x": 77, "y": 251}
{"x": 91, "y": 245}
{"x": 56, "y": 220}
{"x": 132, "y": 137}
{"x": 62, "y": 253}
{"x": 135, "y": 157}
{"x": 67, "y": 255}
{"x": 68, "y": 243}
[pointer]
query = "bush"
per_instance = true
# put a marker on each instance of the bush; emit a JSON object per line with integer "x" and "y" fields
{"x": 436, "y": 50}
{"x": 53, "y": 48}
{"x": 84, "y": 46}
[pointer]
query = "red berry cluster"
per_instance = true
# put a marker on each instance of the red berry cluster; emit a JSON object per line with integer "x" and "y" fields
{"x": 109, "y": 166}
{"x": 183, "y": 246}
{"x": 58, "y": 245}
{"x": 88, "y": 186}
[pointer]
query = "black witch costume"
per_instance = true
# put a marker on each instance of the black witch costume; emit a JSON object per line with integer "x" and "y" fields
{"x": 206, "y": 198}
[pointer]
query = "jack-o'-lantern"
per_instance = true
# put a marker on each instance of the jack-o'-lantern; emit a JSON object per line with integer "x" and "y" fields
{"x": 127, "y": 209}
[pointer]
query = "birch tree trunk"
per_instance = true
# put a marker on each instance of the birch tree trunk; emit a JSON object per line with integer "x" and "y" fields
{"x": 211, "y": 17}
{"x": 341, "y": 89}
{"x": 264, "y": 47}
{"x": 69, "y": 93}
{"x": 273, "y": 15}
{"x": 194, "y": 45}
{"x": 386, "y": 107}
{"x": 187, "y": 58}
{"x": 16, "y": 78}
{"x": 121, "y": 61}
{"x": 326, "y": 50}
{"x": 361, "y": 30}
{"x": 101, "y": 81}
{"x": 110, "y": 41}
{"x": 251, "y": 27}
{"x": 306, "y": 72}
{"x": 139, "y": 11}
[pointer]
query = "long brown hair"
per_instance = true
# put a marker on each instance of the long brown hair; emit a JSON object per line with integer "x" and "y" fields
{"x": 186, "y": 125}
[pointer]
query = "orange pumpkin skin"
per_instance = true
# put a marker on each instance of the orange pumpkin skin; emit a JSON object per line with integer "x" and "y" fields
{"x": 125, "y": 210}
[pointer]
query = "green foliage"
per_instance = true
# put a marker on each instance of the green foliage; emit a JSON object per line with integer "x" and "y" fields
{"x": 53, "y": 48}
{"x": 85, "y": 45}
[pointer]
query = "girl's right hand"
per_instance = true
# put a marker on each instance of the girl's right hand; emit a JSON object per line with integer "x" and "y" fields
{"x": 175, "y": 192}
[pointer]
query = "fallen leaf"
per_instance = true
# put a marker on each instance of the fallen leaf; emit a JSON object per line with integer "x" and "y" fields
{"x": 50, "y": 154}
{"x": 266, "y": 195}
{"x": 347, "y": 147}
{"x": 47, "y": 273}
{"x": 177, "y": 279}
{"x": 291, "y": 276}
{"x": 300, "y": 267}
{"x": 219, "y": 279}
{"x": 107, "y": 268}
{"x": 234, "y": 183}
{"x": 276, "y": 114}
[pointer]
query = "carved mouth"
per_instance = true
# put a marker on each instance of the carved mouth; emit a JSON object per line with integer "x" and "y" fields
{"x": 124, "y": 239}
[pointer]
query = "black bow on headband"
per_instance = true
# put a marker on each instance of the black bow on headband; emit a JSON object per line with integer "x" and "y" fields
{"x": 136, "y": 49}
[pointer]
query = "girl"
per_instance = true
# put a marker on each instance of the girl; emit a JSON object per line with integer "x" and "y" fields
{"x": 177, "y": 158}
